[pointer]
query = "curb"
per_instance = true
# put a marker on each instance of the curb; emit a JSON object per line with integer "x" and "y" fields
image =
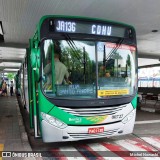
{"x": 23, "y": 133}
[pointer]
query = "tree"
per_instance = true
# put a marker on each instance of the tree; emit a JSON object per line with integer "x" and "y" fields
{"x": 79, "y": 63}
{"x": 10, "y": 76}
{"x": 116, "y": 56}
{"x": 128, "y": 64}
{"x": 128, "y": 61}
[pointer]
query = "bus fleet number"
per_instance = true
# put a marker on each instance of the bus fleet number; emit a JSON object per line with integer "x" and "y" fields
{"x": 117, "y": 116}
{"x": 66, "y": 26}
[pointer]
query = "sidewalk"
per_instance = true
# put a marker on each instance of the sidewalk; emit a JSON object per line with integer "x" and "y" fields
{"x": 13, "y": 136}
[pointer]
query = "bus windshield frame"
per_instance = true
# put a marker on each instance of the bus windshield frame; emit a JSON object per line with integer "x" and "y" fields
{"x": 115, "y": 44}
{"x": 108, "y": 72}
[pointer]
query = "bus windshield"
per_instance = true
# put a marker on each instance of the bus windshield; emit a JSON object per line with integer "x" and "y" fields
{"x": 76, "y": 69}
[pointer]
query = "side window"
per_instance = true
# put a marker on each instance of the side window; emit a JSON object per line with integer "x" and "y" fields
{"x": 47, "y": 63}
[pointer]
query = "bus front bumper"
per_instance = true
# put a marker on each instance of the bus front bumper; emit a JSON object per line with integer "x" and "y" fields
{"x": 51, "y": 133}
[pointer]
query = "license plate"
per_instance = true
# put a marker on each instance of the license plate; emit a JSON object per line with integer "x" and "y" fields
{"x": 95, "y": 130}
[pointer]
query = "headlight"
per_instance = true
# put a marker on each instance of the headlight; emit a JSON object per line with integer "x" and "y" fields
{"x": 53, "y": 121}
{"x": 128, "y": 117}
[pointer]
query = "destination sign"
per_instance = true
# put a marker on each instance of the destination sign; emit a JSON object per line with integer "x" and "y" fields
{"x": 83, "y": 27}
{"x": 75, "y": 90}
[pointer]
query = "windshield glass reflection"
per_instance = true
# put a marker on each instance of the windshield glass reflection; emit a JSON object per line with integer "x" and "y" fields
{"x": 85, "y": 69}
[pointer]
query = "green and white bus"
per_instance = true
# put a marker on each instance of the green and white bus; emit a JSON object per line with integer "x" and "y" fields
{"x": 99, "y": 98}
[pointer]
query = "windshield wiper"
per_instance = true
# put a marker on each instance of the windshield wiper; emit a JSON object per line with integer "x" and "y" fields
{"x": 73, "y": 46}
{"x": 84, "y": 65}
{"x": 114, "y": 49}
{"x": 75, "y": 50}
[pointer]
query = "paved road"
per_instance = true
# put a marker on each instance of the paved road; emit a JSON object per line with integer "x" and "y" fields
{"x": 145, "y": 140}
{"x": 130, "y": 147}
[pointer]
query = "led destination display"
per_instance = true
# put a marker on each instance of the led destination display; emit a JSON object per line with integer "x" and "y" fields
{"x": 83, "y": 27}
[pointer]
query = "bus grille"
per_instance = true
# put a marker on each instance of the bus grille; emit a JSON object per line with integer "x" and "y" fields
{"x": 90, "y": 111}
{"x": 86, "y": 135}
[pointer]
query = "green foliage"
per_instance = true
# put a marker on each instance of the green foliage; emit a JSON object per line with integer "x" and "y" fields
{"x": 128, "y": 61}
{"x": 79, "y": 63}
{"x": 116, "y": 55}
{"x": 10, "y": 76}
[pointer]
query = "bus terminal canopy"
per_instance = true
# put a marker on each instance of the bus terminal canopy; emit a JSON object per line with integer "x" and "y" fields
{"x": 18, "y": 20}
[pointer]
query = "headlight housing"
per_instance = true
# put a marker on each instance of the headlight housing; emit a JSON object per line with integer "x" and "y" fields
{"x": 53, "y": 121}
{"x": 128, "y": 117}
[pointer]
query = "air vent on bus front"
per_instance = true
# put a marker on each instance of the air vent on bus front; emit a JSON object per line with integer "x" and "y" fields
{"x": 86, "y": 135}
{"x": 89, "y": 111}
